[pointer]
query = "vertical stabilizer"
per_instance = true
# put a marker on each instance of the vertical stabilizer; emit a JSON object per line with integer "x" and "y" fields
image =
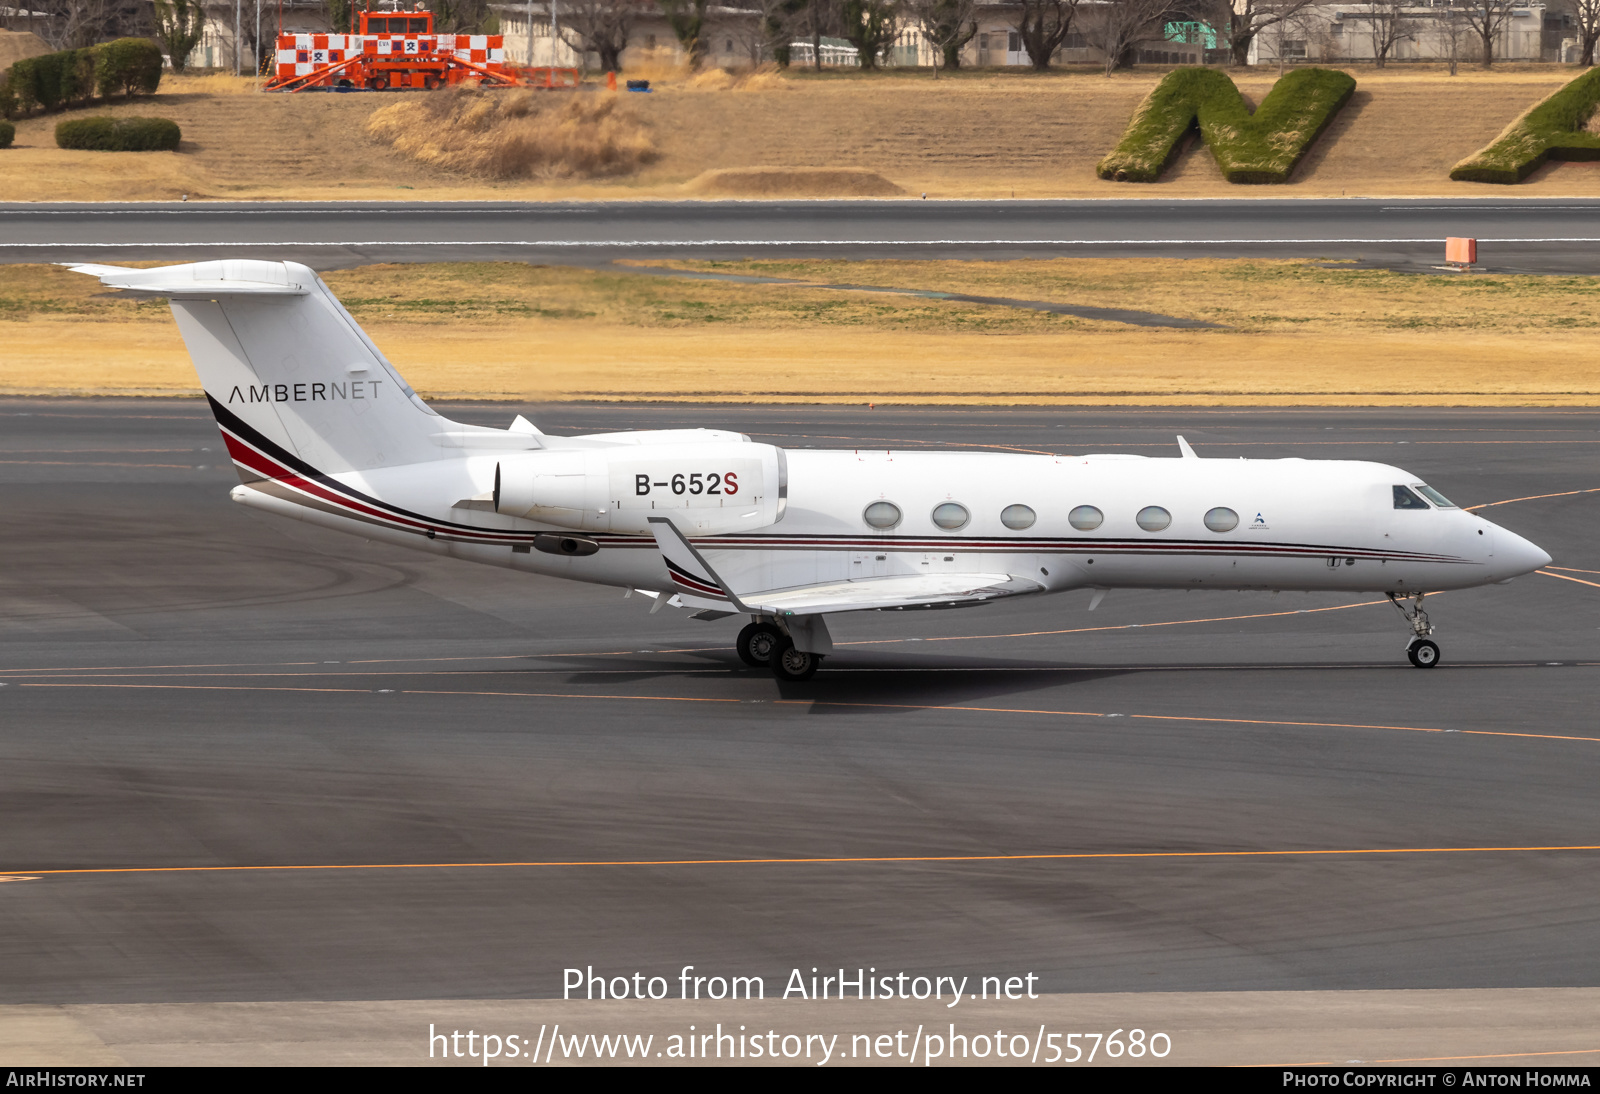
{"x": 286, "y": 367}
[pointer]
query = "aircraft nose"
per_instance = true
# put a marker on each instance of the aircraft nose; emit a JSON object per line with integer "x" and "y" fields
{"x": 1515, "y": 556}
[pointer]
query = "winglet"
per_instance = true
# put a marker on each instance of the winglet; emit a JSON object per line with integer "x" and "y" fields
{"x": 690, "y": 572}
{"x": 1183, "y": 447}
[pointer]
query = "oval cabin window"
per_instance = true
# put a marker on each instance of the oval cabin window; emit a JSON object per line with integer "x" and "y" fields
{"x": 951, "y": 516}
{"x": 881, "y": 514}
{"x": 1017, "y": 517}
{"x": 1153, "y": 518}
{"x": 1222, "y": 519}
{"x": 1085, "y": 518}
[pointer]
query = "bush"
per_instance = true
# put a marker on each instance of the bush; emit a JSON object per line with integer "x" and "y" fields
{"x": 1261, "y": 148}
{"x": 128, "y": 65}
{"x": 1549, "y": 130}
{"x": 101, "y": 134}
{"x": 8, "y": 133}
{"x": 51, "y": 80}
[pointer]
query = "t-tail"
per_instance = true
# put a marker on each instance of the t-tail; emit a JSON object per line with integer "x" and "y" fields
{"x": 290, "y": 375}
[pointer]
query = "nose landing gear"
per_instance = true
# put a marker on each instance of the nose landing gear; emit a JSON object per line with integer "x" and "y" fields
{"x": 1422, "y": 651}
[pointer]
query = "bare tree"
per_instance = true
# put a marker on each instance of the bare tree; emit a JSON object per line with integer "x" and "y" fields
{"x": 774, "y": 28}
{"x": 1247, "y": 19}
{"x": 1452, "y": 29}
{"x": 1586, "y": 17}
{"x": 1043, "y": 25}
{"x": 687, "y": 18}
{"x": 1122, "y": 25}
{"x": 871, "y": 26}
{"x": 74, "y": 24}
{"x": 179, "y": 25}
{"x": 598, "y": 26}
{"x": 1487, "y": 19}
{"x": 947, "y": 25}
{"x": 1388, "y": 25}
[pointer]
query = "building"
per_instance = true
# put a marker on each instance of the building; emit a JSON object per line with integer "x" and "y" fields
{"x": 1330, "y": 33}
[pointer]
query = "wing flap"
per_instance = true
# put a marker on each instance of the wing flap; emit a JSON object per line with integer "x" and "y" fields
{"x": 905, "y": 592}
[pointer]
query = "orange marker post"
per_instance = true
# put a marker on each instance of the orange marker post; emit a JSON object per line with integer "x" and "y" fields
{"x": 1460, "y": 252}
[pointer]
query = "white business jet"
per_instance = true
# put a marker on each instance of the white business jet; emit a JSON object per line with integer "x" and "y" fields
{"x": 323, "y": 429}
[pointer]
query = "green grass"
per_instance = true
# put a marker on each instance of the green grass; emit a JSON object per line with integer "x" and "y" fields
{"x": 1550, "y": 130}
{"x": 1261, "y": 148}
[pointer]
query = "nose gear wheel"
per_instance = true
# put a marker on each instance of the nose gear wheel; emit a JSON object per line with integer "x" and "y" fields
{"x": 1422, "y": 651}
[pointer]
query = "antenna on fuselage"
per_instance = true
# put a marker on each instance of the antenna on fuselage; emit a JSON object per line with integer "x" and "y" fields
{"x": 1185, "y": 450}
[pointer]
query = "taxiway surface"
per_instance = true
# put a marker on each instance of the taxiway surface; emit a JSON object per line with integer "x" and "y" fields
{"x": 1540, "y": 235}
{"x": 187, "y": 685}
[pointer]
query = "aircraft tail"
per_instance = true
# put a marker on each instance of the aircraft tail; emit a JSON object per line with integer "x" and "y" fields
{"x": 289, "y": 373}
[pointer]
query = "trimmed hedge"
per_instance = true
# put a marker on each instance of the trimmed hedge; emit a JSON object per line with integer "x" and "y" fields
{"x": 1261, "y": 148}
{"x": 76, "y": 76}
{"x": 1549, "y": 130}
{"x": 8, "y": 133}
{"x": 102, "y": 134}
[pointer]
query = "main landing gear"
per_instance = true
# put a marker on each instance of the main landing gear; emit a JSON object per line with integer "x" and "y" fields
{"x": 764, "y": 645}
{"x": 1422, "y": 651}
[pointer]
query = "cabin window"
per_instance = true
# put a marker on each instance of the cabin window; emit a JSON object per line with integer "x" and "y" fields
{"x": 1017, "y": 517}
{"x": 881, "y": 515}
{"x": 1085, "y": 518}
{"x": 419, "y": 26}
{"x": 1153, "y": 518}
{"x": 1221, "y": 519}
{"x": 1433, "y": 495}
{"x": 1405, "y": 499}
{"x": 951, "y": 515}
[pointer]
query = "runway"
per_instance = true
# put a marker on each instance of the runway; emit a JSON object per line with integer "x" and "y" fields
{"x": 1537, "y": 235}
{"x": 246, "y": 761}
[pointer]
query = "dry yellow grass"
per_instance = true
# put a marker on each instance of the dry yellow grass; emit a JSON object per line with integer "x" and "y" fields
{"x": 515, "y": 134}
{"x": 791, "y": 182}
{"x": 1303, "y": 335}
{"x": 969, "y": 135}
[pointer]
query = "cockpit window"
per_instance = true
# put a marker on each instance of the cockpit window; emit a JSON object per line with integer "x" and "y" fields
{"x": 1433, "y": 495}
{"x": 1405, "y": 499}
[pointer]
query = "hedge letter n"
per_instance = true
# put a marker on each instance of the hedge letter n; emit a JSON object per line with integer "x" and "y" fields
{"x": 1264, "y": 147}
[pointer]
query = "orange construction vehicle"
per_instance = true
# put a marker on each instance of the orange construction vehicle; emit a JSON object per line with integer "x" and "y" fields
{"x": 399, "y": 49}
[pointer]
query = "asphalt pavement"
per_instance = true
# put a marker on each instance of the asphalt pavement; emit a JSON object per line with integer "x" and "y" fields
{"x": 1545, "y": 235}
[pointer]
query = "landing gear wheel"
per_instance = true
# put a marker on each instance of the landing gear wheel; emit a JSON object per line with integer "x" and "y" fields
{"x": 380, "y": 83}
{"x": 1423, "y": 652}
{"x": 789, "y": 663}
{"x": 756, "y": 643}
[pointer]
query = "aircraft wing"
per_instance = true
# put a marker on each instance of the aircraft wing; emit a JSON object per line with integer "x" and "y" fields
{"x": 698, "y": 585}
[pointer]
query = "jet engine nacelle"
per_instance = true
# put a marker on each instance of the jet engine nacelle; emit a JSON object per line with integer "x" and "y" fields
{"x": 707, "y": 488}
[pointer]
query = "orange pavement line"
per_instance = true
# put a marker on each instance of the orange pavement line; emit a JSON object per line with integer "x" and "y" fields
{"x": 828, "y": 703}
{"x": 1188, "y": 718}
{"x": 1120, "y": 626}
{"x": 148, "y": 668}
{"x": 1564, "y": 577}
{"x": 1534, "y": 497}
{"x": 828, "y": 861}
{"x": 1572, "y": 570}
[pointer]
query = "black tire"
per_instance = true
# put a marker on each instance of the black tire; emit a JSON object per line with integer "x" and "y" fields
{"x": 756, "y": 643}
{"x": 380, "y": 83}
{"x": 789, "y": 663}
{"x": 1424, "y": 653}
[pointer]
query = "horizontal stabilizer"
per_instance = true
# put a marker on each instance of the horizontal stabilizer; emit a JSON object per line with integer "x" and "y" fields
{"x": 208, "y": 280}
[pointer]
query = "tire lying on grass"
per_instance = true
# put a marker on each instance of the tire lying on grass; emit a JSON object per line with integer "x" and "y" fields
{"x": 103, "y": 134}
